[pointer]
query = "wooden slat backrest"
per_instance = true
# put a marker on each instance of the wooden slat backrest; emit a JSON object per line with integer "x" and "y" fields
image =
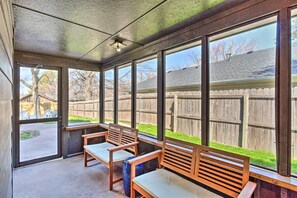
{"x": 114, "y": 133}
{"x": 120, "y": 135}
{"x": 223, "y": 171}
{"x": 128, "y": 135}
{"x": 178, "y": 156}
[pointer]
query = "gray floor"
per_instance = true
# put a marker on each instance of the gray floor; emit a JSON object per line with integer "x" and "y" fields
{"x": 65, "y": 178}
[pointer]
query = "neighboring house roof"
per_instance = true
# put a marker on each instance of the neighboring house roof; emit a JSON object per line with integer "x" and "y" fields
{"x": 256, "y": 66}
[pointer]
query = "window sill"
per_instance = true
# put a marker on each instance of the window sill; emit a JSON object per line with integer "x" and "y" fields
{"x": 255, "y": 172}
{"x": 81, "y": 127}
{"x": 273, "y": 178}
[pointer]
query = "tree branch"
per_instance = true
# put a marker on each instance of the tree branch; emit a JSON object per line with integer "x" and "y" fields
{"x": 26, "y": 84}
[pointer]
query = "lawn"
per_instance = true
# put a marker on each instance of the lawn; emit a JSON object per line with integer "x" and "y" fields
{"x": 29, "y": 134}
{"x": 73, "y": 119}
{"x": 258, "y": 157}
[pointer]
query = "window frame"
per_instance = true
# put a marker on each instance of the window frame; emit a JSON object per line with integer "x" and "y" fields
{"x": 205, "y": 84}
{"x": 99, "y": 97}
{"x": 134, "y": 79}
{"x": 244, "y": 27}
{"x": 103, "y": 117}
{"x": 175, "y": 49}
{"x": 129, "y": 64}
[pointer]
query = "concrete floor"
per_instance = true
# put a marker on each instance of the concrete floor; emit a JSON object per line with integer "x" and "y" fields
{"x": 65, "y": 178}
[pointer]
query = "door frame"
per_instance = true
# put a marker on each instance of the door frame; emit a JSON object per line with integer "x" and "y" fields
{"x": 17, "y": 121}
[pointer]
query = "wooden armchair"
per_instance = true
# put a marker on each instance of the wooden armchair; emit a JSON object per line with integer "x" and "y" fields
{"x": 222, "y": 171}
{"x": 121, "y": 143}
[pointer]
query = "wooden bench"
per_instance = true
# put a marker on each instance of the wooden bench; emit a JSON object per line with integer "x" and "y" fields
{"x": 222, "y": 171}
{"x": 119, "y": 141}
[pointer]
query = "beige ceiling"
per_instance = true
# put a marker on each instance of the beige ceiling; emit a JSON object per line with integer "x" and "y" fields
{"x": 84, "y": 30}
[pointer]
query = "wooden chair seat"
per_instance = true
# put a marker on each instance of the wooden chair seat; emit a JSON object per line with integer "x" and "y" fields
{"x": 157, "y": 181}
{"x": 101, "y": 152}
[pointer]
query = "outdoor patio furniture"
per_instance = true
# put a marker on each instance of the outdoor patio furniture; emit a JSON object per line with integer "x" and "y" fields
{"x": 222, "y": 171}
{"x": 121, "y": 143}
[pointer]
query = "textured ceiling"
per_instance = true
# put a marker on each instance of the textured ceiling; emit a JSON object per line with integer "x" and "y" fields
{"x": 85, "y": 29}
{"x": 42, "y": 34}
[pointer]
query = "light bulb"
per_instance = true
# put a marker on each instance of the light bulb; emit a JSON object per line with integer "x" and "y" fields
{"x": 118, "y": 47}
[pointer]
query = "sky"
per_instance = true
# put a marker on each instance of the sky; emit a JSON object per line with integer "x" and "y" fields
{"x": 264, "y": 37}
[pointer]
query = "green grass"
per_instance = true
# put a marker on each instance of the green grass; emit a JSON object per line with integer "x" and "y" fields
{"x": 74, "y": 119}
{"x": 25, "y": 135}
{"x": 258, "y": 157}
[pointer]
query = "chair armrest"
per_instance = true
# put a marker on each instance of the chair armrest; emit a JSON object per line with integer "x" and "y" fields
{"x": 141, "y": 159}
{"x": 121, "y": 147}
{"x": 93, "y": 135}
{"x": 248, "y": 190}
{"x": 145, "y": 158}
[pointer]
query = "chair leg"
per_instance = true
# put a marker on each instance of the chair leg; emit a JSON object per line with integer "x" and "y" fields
{"x": 85, "y": 158}
{"x": 132, "y": 191}
{"x": 111, "y": 176}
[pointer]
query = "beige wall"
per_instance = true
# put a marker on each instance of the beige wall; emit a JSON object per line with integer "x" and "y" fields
{"x": 6, "y": 69}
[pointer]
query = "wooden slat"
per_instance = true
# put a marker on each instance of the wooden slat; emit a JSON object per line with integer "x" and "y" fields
{"x": 222, "y": 164}
{"x": 171, "y": 165}
{"x": 221, "y": 170}
{"x": 206, "y": 177}
{"x": 221, "y": 174}
{"x": 178, "y": 159}
{"x": 179, "y": 155}
{"x": 236, "y": 160}
{"x": 220, "y": 188}
{"x": 175, "y": 153}
{"x": 177, "y": 162}
{"x": 178, "y": 150}
{"x": 220, "y": 179}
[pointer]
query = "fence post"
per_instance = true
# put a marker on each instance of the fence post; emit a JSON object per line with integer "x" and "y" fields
{"x": 175, "y": 112}
{"x": 245, "y": 120}
{"x": 93, "y": 110}
{"x": 84, "y": 109}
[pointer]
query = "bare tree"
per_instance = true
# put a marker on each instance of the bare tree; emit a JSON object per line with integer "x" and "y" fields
{"x": 145, "y": 71}
{"x": 48, "y": 85}
{"x": 124, "y": 82}
{"x": 195, "y": 58}
{"x": 294, "y": 28}
{"x": 223, "y": 50}
{"x": 34, "y": 89}
{"x": 83, "y": 85}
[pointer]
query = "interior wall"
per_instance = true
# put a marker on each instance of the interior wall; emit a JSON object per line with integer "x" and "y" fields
{"x": 6, "y": 70}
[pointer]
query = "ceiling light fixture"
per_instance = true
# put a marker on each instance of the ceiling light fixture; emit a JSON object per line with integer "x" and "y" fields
{"x": 118, "y": 45}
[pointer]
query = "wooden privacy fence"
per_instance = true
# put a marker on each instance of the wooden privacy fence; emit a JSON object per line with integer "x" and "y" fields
{"x": 239, "y": 118}
{"x": 86, "y": 109}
